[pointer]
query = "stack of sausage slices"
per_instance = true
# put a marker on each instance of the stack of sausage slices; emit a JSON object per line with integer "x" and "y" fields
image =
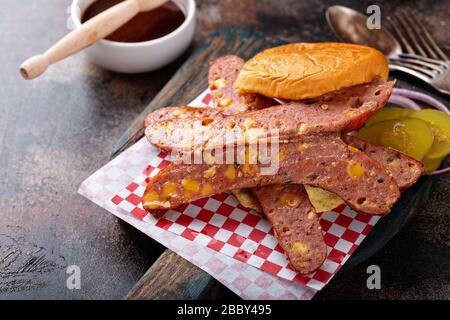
{"x": 283, "y": 120}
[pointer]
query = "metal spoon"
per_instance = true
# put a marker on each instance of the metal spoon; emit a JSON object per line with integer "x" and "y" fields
{"x": 350, "y": 26}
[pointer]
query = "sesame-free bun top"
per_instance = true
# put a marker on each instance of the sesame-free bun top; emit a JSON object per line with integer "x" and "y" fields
{"x": 307, "y": 70}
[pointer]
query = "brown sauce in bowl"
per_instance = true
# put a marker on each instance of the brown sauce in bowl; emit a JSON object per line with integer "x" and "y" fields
{"x": 144, "y": 26}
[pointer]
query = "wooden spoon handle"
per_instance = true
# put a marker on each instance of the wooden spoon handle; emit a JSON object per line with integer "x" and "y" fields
{"x": 89, "y": 32}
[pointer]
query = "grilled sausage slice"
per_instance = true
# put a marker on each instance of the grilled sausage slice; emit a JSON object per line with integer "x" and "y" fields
{"x": 342, "y": 111}
{"x": 295, "y": 223}
{"x": 405, "y": 170}
{"x": 325, "y": 162}
{"x": 222, "y": 74}
{"x": 169, "y": 113}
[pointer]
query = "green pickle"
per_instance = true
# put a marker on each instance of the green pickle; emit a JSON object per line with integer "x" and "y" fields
{"x": 440, "y": 124}
{"x": 411, "y": 136}
{"x": 439, "y": 120}
{"x": 431, "y": 164}
{"x": 439, "y": 149}
{"x": 423, "y": 134}
{"x": 391, "y": 113}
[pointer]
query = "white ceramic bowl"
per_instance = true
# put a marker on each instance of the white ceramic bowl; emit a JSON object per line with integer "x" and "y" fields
{"x": 139, "y": 56}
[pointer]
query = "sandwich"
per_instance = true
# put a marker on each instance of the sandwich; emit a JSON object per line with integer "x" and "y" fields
{"x": 307, "y": 97}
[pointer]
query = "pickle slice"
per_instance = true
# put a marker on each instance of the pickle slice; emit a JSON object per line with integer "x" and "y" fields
{"x": 322, "y": 200}
{"x": 439, "y": 149}
{"x": 431, "y": 164}
{"x": 439, "y": 120}
{"x": 411, "y": 136}
{"x": 385, "y": 114}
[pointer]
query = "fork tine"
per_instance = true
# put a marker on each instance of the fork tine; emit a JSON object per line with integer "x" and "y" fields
{"x": 420, "y": 36}
{"x": 428, "y": 39}
{"x": 395, "y": 26}
{"x": 410, "y": 33}
{"x": 433, "y": 67}
{"x": 437, "y": 62}
{"x": 428, "y": 73}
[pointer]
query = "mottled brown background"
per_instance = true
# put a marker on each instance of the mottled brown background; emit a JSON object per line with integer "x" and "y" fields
{"x": 57, "y": 130}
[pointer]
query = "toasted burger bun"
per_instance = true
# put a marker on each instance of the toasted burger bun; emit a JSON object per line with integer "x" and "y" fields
{"x": 307, "y": 70}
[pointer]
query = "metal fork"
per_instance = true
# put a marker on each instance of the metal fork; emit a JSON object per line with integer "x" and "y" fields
{"x": 422, "y": 57}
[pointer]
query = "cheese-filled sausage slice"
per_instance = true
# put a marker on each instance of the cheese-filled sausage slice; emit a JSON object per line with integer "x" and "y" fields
{"x": 222, "y": 75}
{"x": 405, "y": 169}
{"x": 174, "y": 112}
{"x": 341, "y": 111}
{"x": 295, "y": 223}
{"x": 325, "y": 162}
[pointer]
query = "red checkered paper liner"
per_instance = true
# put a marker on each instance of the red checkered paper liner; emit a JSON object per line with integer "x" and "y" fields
{"x": 246, "y": 281}
{"x": 222, "y": 224}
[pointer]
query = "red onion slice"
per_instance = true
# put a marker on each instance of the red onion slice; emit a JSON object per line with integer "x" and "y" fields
{"x": 403, "y": 102}
{"x": 421, "y": 97}
{"x": 439, "y": 172}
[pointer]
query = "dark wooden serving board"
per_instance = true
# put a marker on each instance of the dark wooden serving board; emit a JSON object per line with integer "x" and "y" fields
{"x": 172, "y": 277}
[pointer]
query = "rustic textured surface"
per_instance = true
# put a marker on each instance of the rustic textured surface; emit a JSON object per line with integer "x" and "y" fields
{"x": 58, "y": 129}
{"x": 174, "y": 278}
